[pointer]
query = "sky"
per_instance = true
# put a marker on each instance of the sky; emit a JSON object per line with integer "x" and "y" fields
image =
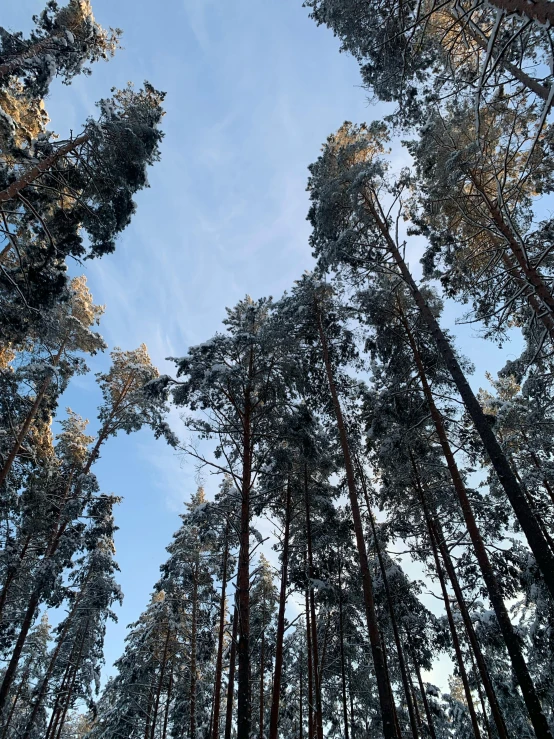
{"x": 253, "y": 87}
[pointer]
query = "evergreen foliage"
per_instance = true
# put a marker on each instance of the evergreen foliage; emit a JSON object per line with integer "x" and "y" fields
{"x": 411, "y": 519}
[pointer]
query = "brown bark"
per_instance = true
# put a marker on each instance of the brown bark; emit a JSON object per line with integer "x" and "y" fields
{"x": 451, "y": 624}
{"x": 160, "y": 682}
{"x": 479, "y": 37}
{"x": 52, "y": 663}
{"x": 167, "y": 704}
{"x": 35, "y": 172}
{"x": 243, "y": 577}
{"x": 193, "y": 672}
{"x": 12, "y": 572}
{"x": 342, "y": 660}
{"x": 472, "y": 636}
{"x": 60, "y": 693}
{"x": 219, "y": 660}
{"x": 426, "y": 708}
{"x": 276, "y": 692}
{"x": 30, "y": 418}
{"x": 539, "y": 10}
{"x": 24, "y": 678}
{"x": 385, "y": 697}
{"x": 231, "y": 683}
{"x": 262, "y": 684}
{"x": 13, "y": 65}
{"x": 532, "y": 702}
{"x": 300, "y": 701}
{"x": 543, "y": 315}
{"x": 310, "y": 670}
{"x": 505, "y": 474}
{"x": 396, "y": 633}
{"x": 313, "y": 619}
{"x": 69, "y": 696}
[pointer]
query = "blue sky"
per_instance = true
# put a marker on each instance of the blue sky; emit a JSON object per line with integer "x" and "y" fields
{"x": 253, "y": 89}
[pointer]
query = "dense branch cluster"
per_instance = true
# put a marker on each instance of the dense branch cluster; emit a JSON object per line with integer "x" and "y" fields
{"x": 375, "y": 515}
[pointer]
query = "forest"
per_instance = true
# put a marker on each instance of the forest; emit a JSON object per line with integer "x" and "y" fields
{"x": 341, "y": 412}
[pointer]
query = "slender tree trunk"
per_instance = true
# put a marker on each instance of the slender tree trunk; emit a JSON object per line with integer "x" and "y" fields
{"x": 231, "y": 684}
{"x": 262, "y": 668}
{"x": 532, "y": 702}
{"x": 472, "y": 636}
{"x": 276, "y": 693}
{"x": 69, "y": 696}
{"x": 310, "y": 669}
{"x": 61, "y": 694}
{"x": 351, "y": 694}
{"x": 542, "y": 313}
{"x": 52, "y": 663}
{"x": 506, "y": 477}
{"x": 385, "y": 697}
{"x": 12, "y": 572}
{"x": 540, "y": 11}
{"x": 4, "y": 472}
{"x": 452, "y": 625}
{"x": 243, "y": 582}
{"x": 36, "y": 595}
{"x": 416, "y": 707}
{"x": 219, "y": 660}
{"x": 313, "y": 619}
{"x": 426, "y": 708}
{"x": 15, "y": 701}
{"x": 193, "y": 675}
{"x": 473, "y": 30}
{"x": 33, "y": 604}
{"x": 300, "y": 706}
{"x": 168, "y": 703}
{"x": 13, "y": 65}
{"x": 342, "y": 660}
{"x": 160, "y": 683}
{"x": 35, "y": 172}
{"x": 396, "y": 633}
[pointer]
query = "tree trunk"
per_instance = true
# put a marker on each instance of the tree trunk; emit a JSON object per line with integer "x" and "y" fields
{"x": 193, "y": 675}
{"x": 472, "y": 636}
{"x": 385, "y": 697}
{"x": 276, "y": 693}
{"x": 539, "y": 10}
{"x": 167, "y": 703}
{"x": 396, "y": 633}
{"x": 4, "y": 472}
{"x": 262, "y": 668}
{"x": 472, "y": 29}
{"x": 69, "y": 696}
{"x": 342, "y": 660}
{"x": 243, "y": 582}
{"x": 231, "y": 684}
{"x": 310, "y": 669}
{"x": 52, "y": 663}
{"x": 524, "y": 515}
{"x": 59, "y": 703}
{"x": 160, "y": 683}
{"x": 219, "y": 660}
{"x": 300, "y": 698}
{"x": 451, "y": 624}
{"x": 35, "y": 172}
{"x": 313, "y": 619}
{"x": 22, "y": 682}
{"x": 532, "y": 702}
{"x": 13, "y": 65}
{"x": 426, "y": 708}
{"x": 12, "y": 572}
{"x": 546, "y": 317}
